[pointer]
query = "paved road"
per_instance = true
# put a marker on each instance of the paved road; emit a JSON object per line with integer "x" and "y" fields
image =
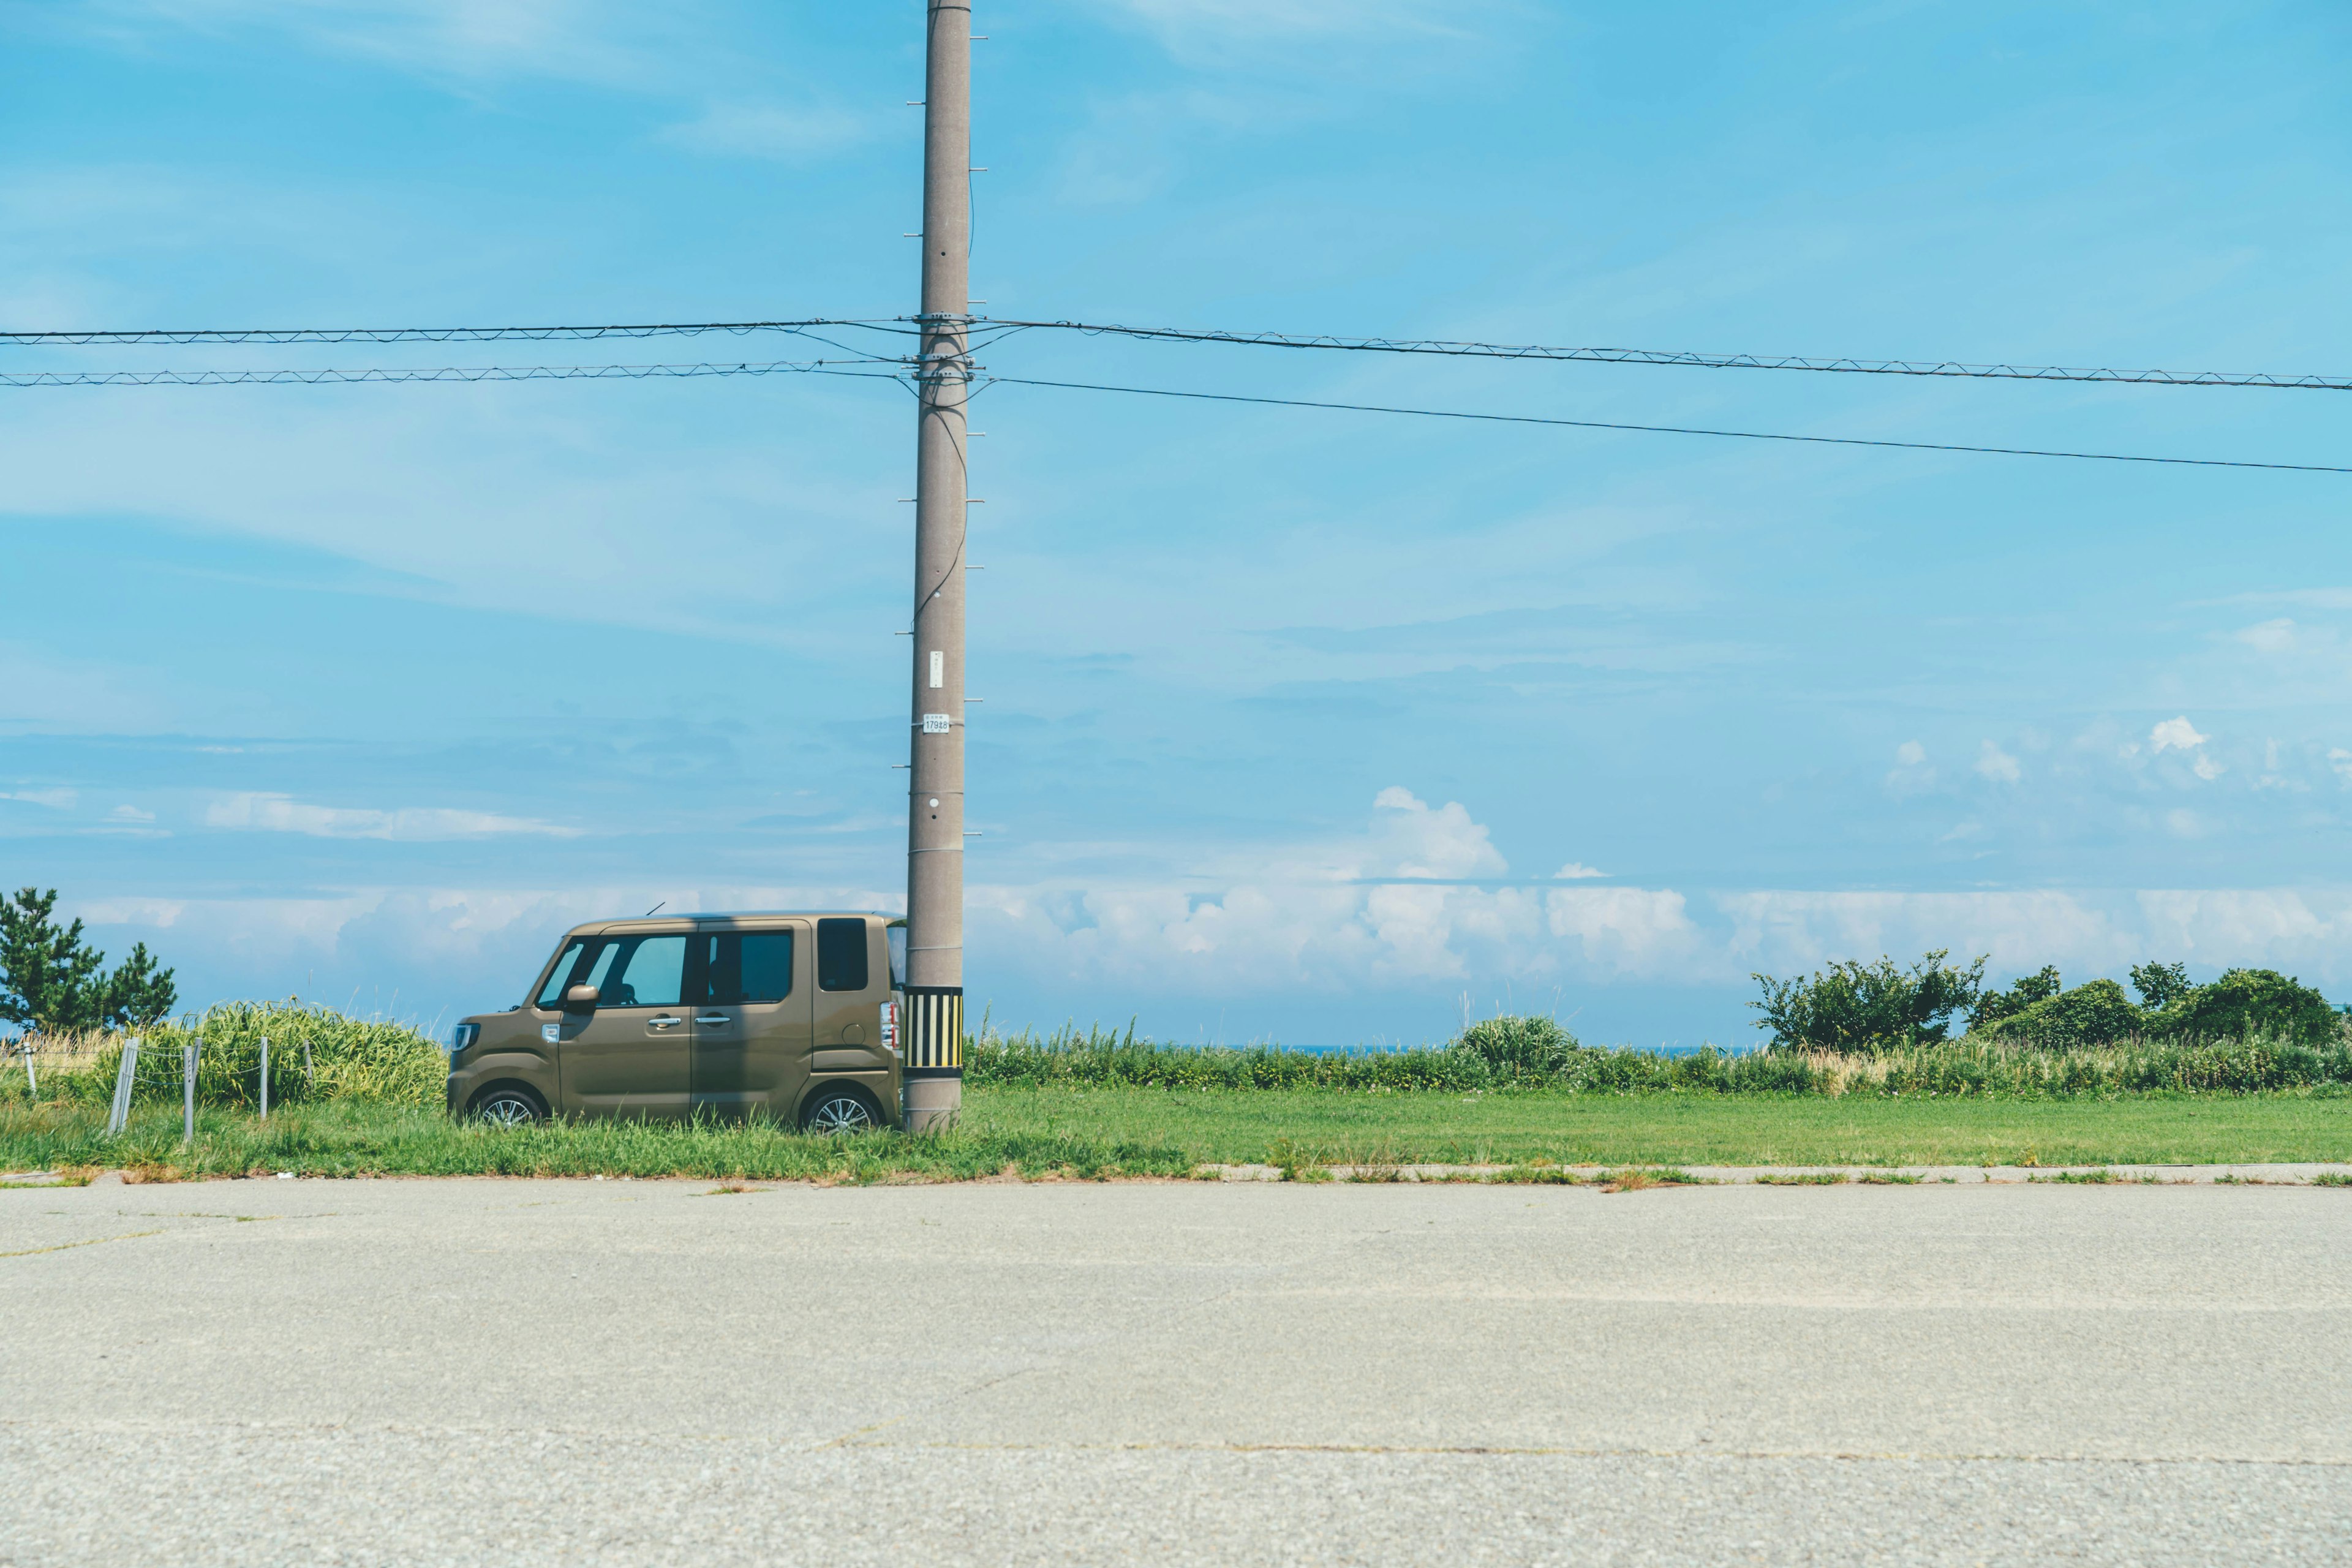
{"x": 650, "y": 1373}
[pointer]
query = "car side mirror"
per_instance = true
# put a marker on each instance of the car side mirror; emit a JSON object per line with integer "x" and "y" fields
{"x": 580, "y": 999}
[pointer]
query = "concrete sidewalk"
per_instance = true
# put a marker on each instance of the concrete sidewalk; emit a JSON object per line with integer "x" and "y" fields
{"x": 656, "y": 1372}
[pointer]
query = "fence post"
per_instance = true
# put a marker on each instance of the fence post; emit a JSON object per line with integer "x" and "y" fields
{"x": 188, "y": 1090}
{"x": 31, "y": 1087}
{"x": 265, "y": 1078}
{"x": 126, "y": 1074}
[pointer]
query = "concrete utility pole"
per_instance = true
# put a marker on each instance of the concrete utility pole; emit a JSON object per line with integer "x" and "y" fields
{"x": 934, "y": 1026}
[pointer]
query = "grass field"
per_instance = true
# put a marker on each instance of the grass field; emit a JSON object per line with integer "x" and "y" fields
{"x": 1323, "y": 1127}
{"x": 1169, "y": 1132}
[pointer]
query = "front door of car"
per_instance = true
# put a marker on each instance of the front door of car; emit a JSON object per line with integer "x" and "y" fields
{"x": 752, "y": 1031}
{"x": 633, "y": 1055}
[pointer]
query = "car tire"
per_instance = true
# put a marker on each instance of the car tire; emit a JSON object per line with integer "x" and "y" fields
{"x": 509, "y": 1105}
{"x": 838, "y": 1108}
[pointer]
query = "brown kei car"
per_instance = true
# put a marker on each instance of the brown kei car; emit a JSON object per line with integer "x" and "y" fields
{"x": 791, "y": 1017}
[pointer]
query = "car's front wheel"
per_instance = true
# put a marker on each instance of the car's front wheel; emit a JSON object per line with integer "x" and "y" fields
{"x": 840, "y": 1110}
{"x": 509, "y": 1105}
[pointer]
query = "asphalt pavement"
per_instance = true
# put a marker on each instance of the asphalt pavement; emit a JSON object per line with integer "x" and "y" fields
{"x": 639, "y": 1373}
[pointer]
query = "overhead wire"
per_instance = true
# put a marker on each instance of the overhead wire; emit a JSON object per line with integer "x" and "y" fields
{"x": 1838, "y": 365}
{"x": 83, "y": 338}
{"x": 444, "y": 373}
{"x": 993, "y": 329}
{"x": 1672, "y": 429}
{"x": 899, "y": 368}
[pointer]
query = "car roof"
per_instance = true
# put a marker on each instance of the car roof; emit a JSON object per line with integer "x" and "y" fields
{"x": 718, "y": 921}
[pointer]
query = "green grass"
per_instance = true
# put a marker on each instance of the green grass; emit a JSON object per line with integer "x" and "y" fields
{"x": 370, "y": 1138}
{"x": 1321, "y": 1126}
{"x": 1095, "y": 1133}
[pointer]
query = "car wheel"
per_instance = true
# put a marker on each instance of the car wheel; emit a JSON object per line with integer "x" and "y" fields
{"x": 510, "y": 1106}
{"x": 840, "y": 1110}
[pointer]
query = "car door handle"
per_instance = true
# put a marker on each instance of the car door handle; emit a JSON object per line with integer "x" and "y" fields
{"x": 712, "y": 1018}
{"x": 664, "y": 1021}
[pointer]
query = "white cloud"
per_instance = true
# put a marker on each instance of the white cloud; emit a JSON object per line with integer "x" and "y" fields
{"x": 1577, "y": 871}
{"x": 767, "y": 130}
{"x": 54, "y": 799}
{"x": 2270, "y": 637}
{"x": 1997, "y": 764}
{"x": 2340, "y": 761}
{"x": 1911, "y": 774}
{"x": 1285, "y": 921}
{"x": 2176, "y": 734}
{"x": 1415, "y": 841}
{"x": 282, "y": 813}
{"x": 2206, "y": 768}
{"x": 129, "y": 814}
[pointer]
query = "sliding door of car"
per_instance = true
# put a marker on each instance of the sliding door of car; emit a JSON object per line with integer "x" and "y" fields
{"x": 753, "y": 1026}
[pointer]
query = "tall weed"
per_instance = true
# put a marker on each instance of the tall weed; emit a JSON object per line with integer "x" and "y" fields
{"x": 316, "y": 1054}
{"x": 1503, "y": 1053}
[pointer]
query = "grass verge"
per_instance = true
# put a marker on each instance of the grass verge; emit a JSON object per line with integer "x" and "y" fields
{"x": 1298, "y": 1128}
{"x": 1634, "y": 1140}
{"x": 364, "y": 1139}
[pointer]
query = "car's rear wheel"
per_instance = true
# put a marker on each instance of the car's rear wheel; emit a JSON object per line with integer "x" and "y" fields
{"x": 840, "y": 1109}
{"x": 509, "y": 1105}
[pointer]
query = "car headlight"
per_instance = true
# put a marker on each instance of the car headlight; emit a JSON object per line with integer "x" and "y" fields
{"x": 464, "y": 1035}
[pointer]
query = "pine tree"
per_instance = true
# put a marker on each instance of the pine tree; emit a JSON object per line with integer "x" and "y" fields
{"x": 51, "y": 982}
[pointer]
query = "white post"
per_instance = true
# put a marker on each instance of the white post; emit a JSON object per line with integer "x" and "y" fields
{"x": 126, "y": 1075}
{"x": 188, "y": 1091}
{"x": 31, "y": 1087}
{"x": 265, "y": 1078}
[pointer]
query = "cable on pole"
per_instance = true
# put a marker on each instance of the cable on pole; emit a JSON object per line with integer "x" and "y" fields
{"x": 1676, "y": 430}
{"x": 444, "y": 373}
{"x": 999, "y": 328}
{"x": 431, "y": 334}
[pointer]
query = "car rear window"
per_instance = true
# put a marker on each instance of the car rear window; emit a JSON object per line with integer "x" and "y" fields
{"x": 841, "y": 955}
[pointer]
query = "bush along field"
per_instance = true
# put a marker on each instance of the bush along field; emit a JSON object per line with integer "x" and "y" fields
{"x": 1535, "y": 1053}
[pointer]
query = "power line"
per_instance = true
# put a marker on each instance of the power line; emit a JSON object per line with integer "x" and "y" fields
{"x": 444, "y": 373}
{"x": 431, "y": 334}
{"x": 877, "y": 369}
{"x": 999, "y": 328}
{"x": 1676, "y": 430}
{"x": 1678, "y": 357}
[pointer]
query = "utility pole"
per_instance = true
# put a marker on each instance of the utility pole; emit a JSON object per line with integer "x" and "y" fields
{"x": 934, "y": 1026}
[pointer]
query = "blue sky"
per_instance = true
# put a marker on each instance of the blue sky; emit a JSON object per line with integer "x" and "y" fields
{"x": 1310, "y": 726}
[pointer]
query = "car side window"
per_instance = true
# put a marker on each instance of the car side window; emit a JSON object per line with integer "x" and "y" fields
{"x": 841, "y": 955}
{"x": 750, "y": 966}
{"x": 552, "y": 993}
{"x": 648, "y": 971}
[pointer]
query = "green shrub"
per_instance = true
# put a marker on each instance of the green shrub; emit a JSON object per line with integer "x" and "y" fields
{"x": 1519, "y": 1048}
{"x": 1992, "y": 1006}
{"x": 1500, "y": 1055}
{"x": 2246, "y": 1002}
{"x": 2097, "y": 1014}
{"x": 1853, "y": 1007}
{"x": 2159, "y": 983}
